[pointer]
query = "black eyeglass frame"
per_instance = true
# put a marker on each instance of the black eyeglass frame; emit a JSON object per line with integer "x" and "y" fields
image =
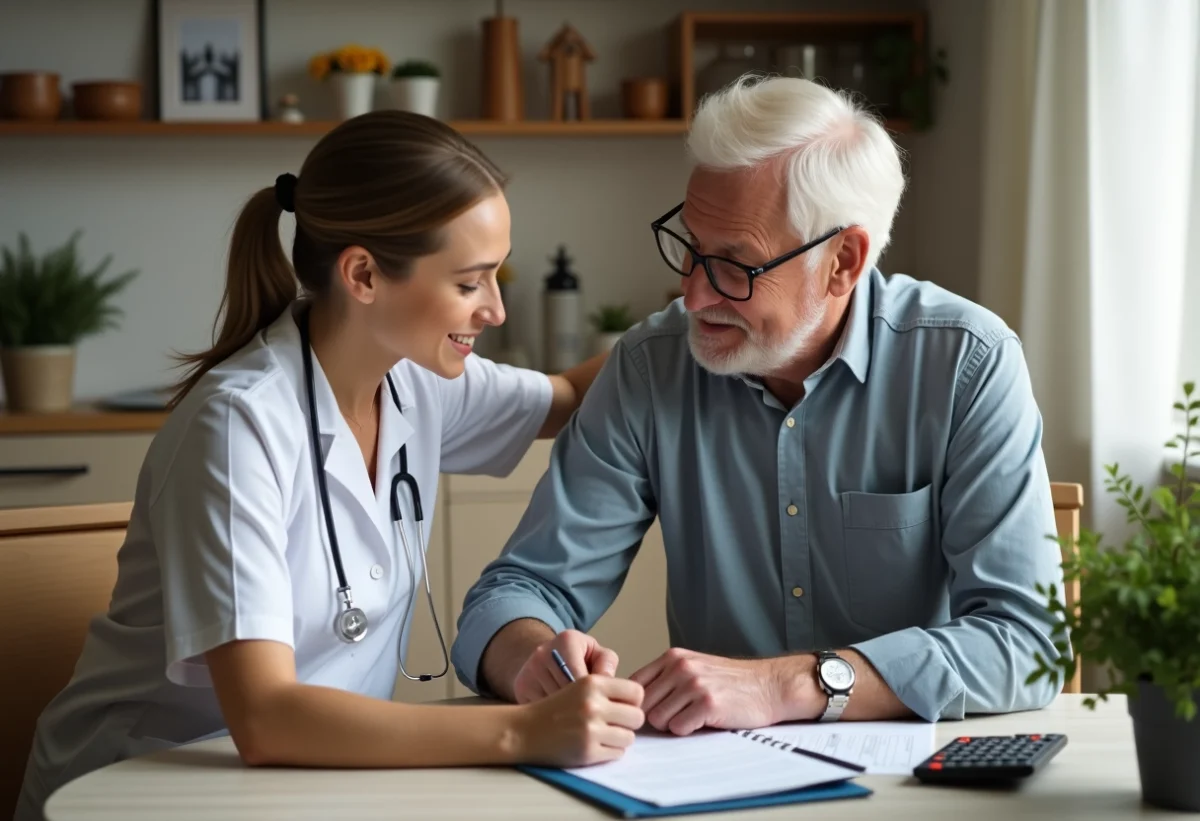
{"x": 752, "y": 271}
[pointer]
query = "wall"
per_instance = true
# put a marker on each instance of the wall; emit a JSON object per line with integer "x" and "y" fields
{"x": 166, "y": 205}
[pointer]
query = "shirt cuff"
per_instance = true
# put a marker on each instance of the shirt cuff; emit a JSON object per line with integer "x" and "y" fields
{"x": 912, "y": 664}
{"x": 483, "y": 622}
{"x": 185, "y": 654}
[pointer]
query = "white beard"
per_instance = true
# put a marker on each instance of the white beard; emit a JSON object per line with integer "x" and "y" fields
{"x": 753, "y": 356}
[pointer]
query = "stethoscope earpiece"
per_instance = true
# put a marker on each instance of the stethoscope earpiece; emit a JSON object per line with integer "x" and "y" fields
{"x": 350, "y": 624}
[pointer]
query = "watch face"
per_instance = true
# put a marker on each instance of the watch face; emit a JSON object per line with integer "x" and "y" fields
{"x": 837, "y": 673}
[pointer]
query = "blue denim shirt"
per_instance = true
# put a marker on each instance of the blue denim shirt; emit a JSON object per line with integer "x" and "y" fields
{"x": 901, "y": 508}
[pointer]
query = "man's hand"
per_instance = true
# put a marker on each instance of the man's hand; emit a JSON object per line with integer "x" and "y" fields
{"x": 686, "y": 690}
{"x": 540, "y": 676}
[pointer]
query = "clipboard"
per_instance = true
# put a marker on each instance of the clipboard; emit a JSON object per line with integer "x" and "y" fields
{"x": 624, "y": 806}
{"x": 840, "y": 786}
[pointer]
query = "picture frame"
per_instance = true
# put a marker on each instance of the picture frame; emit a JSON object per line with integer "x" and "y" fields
{"x": 211, "y": 60}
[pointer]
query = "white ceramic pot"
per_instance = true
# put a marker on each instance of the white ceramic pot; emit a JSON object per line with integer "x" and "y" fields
{"x": 418, "y": 94}
{"x": 38, "y": 378}
{"x": 604, "y": 342}
{"x": 354, "y": 92}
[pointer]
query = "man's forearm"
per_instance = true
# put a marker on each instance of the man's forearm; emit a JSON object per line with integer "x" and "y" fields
{"x": 801, "y": 698}
{"x": 508, "y": 651}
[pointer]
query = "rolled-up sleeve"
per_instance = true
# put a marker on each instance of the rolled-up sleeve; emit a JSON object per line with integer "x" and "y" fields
{"x": 571, "y": 550}
{"x": 997, "y": 520}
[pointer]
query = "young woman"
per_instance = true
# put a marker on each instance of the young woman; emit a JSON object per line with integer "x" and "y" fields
{"x": 275, "y": 552}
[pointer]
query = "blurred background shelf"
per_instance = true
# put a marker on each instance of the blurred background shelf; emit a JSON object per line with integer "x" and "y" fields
{"x": 486, "y": 128}
{"x": 154, "y": 128}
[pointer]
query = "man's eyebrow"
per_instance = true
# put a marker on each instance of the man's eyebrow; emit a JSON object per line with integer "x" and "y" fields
{"x": 483, "y": 266}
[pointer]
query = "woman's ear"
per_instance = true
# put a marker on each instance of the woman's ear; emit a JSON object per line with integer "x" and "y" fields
{"x": 848, "y": 260}
{"x": 358, "y": 274}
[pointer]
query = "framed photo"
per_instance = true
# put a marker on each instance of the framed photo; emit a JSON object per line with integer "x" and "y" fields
{"x": 210, "y": 60}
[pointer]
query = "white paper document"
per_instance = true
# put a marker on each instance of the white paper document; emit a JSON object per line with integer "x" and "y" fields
{"x": 708, "y": 766}
{"x": 883, "y": 747}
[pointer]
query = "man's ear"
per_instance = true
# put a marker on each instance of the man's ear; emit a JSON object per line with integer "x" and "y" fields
{"x": 849, "y": 258}
{"x": 358, "y": 274}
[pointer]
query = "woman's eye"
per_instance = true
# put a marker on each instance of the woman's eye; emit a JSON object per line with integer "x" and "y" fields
{"x": 468, "y": 289}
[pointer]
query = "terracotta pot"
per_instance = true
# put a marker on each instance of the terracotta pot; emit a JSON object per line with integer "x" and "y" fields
{"x": 30, "y": 95}
{"x": 644, "y": 98}
{"x": 39, "y": 378}
{"x": 107, "y": 100}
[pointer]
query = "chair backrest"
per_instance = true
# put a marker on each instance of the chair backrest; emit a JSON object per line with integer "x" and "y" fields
{"x": 1068, "y": 500}
{"x": 57, "y": 570}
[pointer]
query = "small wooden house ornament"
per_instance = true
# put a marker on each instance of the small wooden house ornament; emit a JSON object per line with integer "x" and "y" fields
{"x": 566, "y": 53}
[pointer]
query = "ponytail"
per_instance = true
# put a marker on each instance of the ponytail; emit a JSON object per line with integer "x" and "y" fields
{"x": 259, "y": 285}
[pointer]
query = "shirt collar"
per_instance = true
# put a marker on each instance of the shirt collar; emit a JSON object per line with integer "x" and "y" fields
{"x": 854, "y": 346}
{"x": 283, "y": 337}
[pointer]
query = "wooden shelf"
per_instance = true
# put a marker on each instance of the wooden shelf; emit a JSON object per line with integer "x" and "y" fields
{"x": 153, "y": 128}
{"x": 692, "y": 28}
{"x": 82, "y": 419}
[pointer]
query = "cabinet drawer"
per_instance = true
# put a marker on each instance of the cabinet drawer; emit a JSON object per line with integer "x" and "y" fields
{"x": 68, "y": 469}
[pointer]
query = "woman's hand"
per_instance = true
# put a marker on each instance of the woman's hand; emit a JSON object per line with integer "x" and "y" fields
{"x": 588, "y": 722}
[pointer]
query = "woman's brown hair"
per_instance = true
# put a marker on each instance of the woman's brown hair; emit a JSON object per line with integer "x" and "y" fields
{"x": 387, "y": 181}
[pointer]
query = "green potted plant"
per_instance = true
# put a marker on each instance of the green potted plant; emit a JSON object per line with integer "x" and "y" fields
{"x": 610, "y": 322}
{"x": 47, "y": 305}
{"x": 1138, "y": 615}
{"x": 415, "y": 86}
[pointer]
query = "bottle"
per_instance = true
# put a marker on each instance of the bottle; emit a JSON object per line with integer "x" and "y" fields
{"x": 562, "y": 318}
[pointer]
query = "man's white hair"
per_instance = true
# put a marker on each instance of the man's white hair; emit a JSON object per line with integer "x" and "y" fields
{"x": 841, "y": 167}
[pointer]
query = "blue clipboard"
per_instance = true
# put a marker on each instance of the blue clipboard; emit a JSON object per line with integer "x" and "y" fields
{"x": 627, "y": 807}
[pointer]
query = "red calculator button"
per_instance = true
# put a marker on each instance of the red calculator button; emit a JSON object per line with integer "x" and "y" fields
{"x": 937, "y": 765}
{"x": 964, "y": 740}
{"x": 1035, "y": 738}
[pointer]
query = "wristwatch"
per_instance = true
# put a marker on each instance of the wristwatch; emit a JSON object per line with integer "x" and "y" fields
{"x": 835, "y": 676}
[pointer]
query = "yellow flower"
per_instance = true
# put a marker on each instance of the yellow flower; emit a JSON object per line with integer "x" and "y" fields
{"x": 320, "y": 66}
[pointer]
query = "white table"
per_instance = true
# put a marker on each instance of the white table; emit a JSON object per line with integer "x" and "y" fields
{"x": 1094, "y": 778}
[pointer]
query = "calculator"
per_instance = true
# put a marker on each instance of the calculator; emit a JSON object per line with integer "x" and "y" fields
{"x": 990, "y": 759}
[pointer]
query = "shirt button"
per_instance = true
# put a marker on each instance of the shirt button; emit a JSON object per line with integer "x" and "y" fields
{"x": 797, "y": 592}
{"x": 376, "y": 571}
{"x": 791, "y": 423}
{"x": 792, "y": 510}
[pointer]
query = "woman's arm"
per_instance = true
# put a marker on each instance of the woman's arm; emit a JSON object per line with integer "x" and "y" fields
{"x": 276, "y": 720}
{"x": 568, "y": 390}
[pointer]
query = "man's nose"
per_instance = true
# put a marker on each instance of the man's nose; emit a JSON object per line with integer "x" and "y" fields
{"x": 698, "y": 292}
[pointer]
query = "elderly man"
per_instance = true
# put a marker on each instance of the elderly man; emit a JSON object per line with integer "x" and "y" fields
{"x": 847, "y": 469}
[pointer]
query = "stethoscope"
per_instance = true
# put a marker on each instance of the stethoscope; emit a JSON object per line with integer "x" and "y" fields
{"x": 350, "y": 624}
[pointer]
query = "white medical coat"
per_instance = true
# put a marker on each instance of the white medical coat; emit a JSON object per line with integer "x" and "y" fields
{"x": 227, "y": 541}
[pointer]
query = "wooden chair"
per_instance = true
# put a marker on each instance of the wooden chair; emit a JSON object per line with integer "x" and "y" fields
{"x": 1068, "y": 500}
{"x": 57, "y": 570}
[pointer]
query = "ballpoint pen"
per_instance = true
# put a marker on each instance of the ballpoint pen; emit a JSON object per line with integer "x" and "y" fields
{"x": 562, "y": 665}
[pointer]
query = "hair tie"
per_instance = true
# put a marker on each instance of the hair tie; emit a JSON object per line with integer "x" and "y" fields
{"x": 285, "y": 191}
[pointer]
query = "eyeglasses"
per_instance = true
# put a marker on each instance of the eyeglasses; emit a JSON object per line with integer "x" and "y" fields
{"x": 730, "y": 278}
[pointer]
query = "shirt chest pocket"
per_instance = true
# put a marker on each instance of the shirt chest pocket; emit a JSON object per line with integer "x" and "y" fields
{"x": 891, "y": 558}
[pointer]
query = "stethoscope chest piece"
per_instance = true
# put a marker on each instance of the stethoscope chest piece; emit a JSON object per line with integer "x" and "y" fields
{"x": 351, "y": 625}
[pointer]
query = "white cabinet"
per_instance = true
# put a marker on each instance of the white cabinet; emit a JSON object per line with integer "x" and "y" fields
{"x": 43, "y": 469}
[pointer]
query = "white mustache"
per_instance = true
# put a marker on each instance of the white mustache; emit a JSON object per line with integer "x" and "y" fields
{"x": 720, "y": 318}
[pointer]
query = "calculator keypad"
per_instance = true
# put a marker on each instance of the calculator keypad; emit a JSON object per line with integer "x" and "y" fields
{"x": 990, "y": 758}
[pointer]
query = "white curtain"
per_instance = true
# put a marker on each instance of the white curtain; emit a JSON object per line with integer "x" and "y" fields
{"x": 1089, "y": 160}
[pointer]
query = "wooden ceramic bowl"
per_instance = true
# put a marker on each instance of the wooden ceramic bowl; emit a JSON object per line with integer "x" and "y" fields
{"x": 108, "y": 100}
{"x": 644, "y": 98}
{"x": 30, "y": 95}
